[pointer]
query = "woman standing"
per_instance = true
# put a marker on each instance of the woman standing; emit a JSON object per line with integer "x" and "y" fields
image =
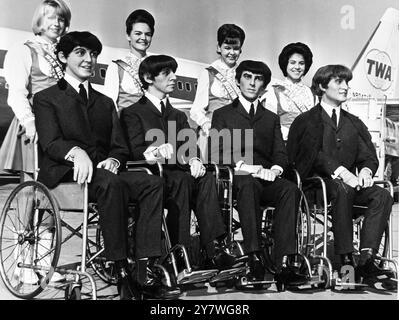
{"x": 216, "y": 84}
{"x": 122, "y": 82}
{"x": 290, "y": 97}
{"x": 29, "y": 68}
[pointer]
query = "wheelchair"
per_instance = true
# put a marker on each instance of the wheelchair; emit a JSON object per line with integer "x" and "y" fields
{"x": 31, "y": 226}
{"x": 319, "y": 214}
{"x": 317, "y": 268}
{"x": 175, "y": 260}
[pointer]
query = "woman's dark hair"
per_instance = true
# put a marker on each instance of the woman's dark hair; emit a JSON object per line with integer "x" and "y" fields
{"x": 140, "y": 15}
{"x": 289, "y": 50}
{"x": 228, "y": 33}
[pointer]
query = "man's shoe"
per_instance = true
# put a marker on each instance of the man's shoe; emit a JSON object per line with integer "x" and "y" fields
{"x": 347, "y": 259}
{"x": 371, "y": 270}
{"x": 289, "y": 277}
{"x": 153, "y": 288}
{"x": 256, "y": 268}
{"x": 223, "y": 260}
{"x": 125, "y": 285}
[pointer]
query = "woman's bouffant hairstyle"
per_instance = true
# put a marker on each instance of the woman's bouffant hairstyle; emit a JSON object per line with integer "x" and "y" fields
{"x": 140, "y": 15}
{"x": 289, "y": 50}
{"x": 229, "y": 33}
{"x": 61, "y": 9}
{"x": 324, "y": 75}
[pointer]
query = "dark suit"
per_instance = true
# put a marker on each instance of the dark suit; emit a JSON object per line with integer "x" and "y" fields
{"x": 251, "y": 193}
{"x": 317, "y": 146}
{"x": 183, "y": 191}
{"x": 64, "y": 121}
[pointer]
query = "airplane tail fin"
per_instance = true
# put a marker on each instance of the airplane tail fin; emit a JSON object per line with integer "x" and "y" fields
{"x": 376, "y": 70}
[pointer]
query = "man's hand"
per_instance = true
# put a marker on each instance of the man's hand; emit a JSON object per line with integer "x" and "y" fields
{"x": 197, "y": 169}
{"x": 109, "y": 164}
{"x": 349, "y": 178}
{"x": 206, "y": 127}
{"x": 365, "y": 179}
{"x": 266, "y": 174}
{"x": 30, "y": 131}
{"x": 82, "y": 166}
{"x": 164, "y": 151}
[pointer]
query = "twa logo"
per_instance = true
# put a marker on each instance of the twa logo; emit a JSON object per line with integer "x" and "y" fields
{"x": 379, "y": 69}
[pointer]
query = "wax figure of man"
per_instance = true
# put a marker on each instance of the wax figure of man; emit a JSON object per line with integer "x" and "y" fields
{"x": 336, "y": 145}
{"x": 81, "y": 140}
{"x": 257, "y": 181}
{"x": 188, "y": 184}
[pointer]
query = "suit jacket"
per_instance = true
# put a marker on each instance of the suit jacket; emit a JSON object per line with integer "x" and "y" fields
{"x": 305, "y": 144}
{"x": 64, "y": 121}
{"x": 267, "y": 143}
{"x": 143, "y": 116}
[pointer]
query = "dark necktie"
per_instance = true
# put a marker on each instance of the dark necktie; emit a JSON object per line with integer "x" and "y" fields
{"x": 162, "y": 108}
{"x": 252, "y": 111}
{"x": 83, "y": 93}
{"x": 334, "y": 117}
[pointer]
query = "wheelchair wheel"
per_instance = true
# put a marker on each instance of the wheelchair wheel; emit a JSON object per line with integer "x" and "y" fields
{"x": 303, "y": 227}
{"x": 95, "y": 252}
{"x": 30, "y": 239}
{"x": 73, "y": 292}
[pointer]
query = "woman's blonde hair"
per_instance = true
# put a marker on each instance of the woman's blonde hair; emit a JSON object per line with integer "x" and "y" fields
{"x": 61, "y": 8}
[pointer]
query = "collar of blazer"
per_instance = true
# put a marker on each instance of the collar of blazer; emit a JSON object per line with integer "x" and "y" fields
{"x": 148, "y": 104}
{"x": 315, "y": 126}
{"x": 239, "y": 108}
{"x": 70, "y": 91}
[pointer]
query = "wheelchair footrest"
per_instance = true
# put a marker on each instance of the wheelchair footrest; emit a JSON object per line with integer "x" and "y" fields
{"x": 186, "y": 277}
{"x": 228, "y": 274}
{"x": 243, "y": 282}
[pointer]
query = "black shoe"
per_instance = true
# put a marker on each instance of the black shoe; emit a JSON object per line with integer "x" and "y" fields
{"x": 289, "y": 277}
{"x": 256, "y": 268}
{"x": 125, "y": 285}
{"x": 153, "y": 288}
{"x": 347, "y": 259}
{"x": 370, "y": 270}
{"x": 223, "y": 260}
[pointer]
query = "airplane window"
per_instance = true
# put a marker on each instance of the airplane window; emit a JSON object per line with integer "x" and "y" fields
{"x": 188, "y": 86}
{"x": 196, "y": 86}
{"x": 103, "y": 73}
{"x": 179, "y": 85}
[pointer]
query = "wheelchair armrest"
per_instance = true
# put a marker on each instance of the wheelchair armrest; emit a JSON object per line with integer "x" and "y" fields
{"x": 220, "y": 170}
{"x": 143, "y": 165}
{"x": 386, "y": 183}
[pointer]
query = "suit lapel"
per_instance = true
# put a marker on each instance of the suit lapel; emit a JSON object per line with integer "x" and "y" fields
{"x": 239, "y": 108}
{"x": 93, "y": 95}
{"x": 260, "y": 111}
{"x": 327, "y": 119}
{"x": 151, "y": 106}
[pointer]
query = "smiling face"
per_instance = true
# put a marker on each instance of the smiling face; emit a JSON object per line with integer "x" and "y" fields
{"x": 336, "y": 92}
{"x": 230, "y": 52}
{"x": 295, "y": 67}
{"x": 52, "y": 25}
{"x": 80, "y": 62}
{"x": 140, "y": 38}
{"x": 251, "y": 85}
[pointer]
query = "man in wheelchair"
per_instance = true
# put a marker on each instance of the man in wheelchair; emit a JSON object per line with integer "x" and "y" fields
{"x": 257, "y": 178}
{"x": 336, "y": 145}
{"x": 80, "y": 139}
{"x": 151, "y": 126}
